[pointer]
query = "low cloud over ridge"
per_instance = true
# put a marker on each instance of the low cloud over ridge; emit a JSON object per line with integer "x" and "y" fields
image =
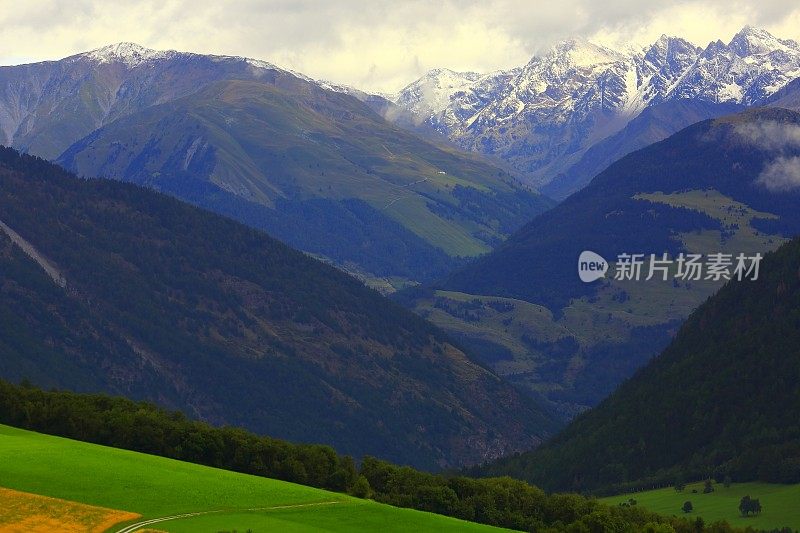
{"x": 782, "y": 174}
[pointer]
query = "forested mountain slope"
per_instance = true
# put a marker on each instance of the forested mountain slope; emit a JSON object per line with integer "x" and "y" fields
{"x": 151, "y": 298}
{"x": 722, "y": 400}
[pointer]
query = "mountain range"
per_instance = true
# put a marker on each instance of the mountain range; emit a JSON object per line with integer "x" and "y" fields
{"x": 543, "y": 117}
{"x": 726, "y": 185}
{"x": 314, "y": 165}
{"x": 109, "y": 287}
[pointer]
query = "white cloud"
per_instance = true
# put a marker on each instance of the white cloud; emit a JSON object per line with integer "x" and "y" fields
{"x": 781, "y": 175}
{"x": 771, "y": 135}
{"x": 377, "y": 44}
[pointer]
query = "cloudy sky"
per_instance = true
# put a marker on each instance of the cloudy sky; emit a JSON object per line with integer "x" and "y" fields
{"x": 378, "y": 45}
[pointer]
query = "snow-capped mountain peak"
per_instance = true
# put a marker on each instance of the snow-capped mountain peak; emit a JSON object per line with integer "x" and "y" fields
{"x": 447, "y": 73}
{"x": 579, "y": 53}
{"x": 751, "y": 67}
{"x": 546, "y": 113}
{"x": 755, "y": 41}
{"x": 664, "y": 41}
{"x": 131, "y": 54}
{"x": 431, "y": 93}
{"x": 667, "y": 48}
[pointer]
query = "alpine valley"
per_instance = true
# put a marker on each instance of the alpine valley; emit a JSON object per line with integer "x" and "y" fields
{"x": 372, "y": 185}
{"x": 257, "y": 300}
{"x": 618, "y": 136}
{"x": 713, "y": 187}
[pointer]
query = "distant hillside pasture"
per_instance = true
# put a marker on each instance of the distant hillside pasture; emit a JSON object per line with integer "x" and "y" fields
{"x": 781, "y": 503}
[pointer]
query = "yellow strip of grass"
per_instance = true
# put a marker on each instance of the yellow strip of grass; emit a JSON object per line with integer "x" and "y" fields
{"x": 22, "y": 512}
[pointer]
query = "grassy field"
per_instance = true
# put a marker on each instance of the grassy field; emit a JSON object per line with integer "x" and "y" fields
{"x": 781, "y": 503}
{"x": 732, "y": 215}
{"x": 156, "y": 487}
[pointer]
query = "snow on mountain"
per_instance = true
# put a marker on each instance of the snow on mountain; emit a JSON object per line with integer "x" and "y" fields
{"x": 133, "y": 55}
{"x": 432, "y": 93}
{"x": 568, "y": 74}
{"x": 754, "y": 65}
{"x": 445, "y": 98}
{"x": 47, "y": 106}
{"x": 470, "y": 100}
{"x": 662, "y": 65}
{"x": 540, "y": 117}
{"x": 130, "y": 54}
{"x": 754, "y": 41}
{"x": 562, "y": 97}
{"x": 543, "y": 116}
{"x": 349, "y": 90}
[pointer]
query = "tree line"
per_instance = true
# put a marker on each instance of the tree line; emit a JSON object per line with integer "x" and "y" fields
{"x": 144, "y": 427}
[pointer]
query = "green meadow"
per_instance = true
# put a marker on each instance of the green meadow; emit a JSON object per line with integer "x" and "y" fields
{"x": 781, "y": 503}
{"x": 157, "y": 487}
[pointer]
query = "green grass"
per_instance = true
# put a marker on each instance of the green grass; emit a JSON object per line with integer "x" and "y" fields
{"x": 354, "y": 517}
{"x": 781, "y": 503}
{"x": 453, "y": 236}
{"x": 731, "y": 214}
{"x": 155, "y": 487}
